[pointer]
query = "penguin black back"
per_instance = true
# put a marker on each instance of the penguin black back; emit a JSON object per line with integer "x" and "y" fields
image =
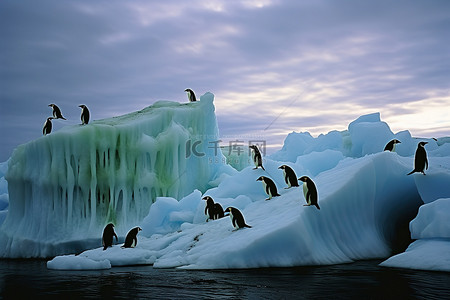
{"x": 47, "y": 126}
{"x": 56, "y": 112}
{"x": 213, "y": 210}
{"x": 257, "y": 157}
{"x": 237, "y": 219}
{"x": 108, "y": 236}
{"x": 420, "y": 159}
{"x": 131, "y": 238}
{"x": 289, "y": 176}
{"x": 191, "y": 95}
{"x": 391, "y": 145}
{"x": 85, "y": 115}
{"x": 269, "y": 186}
{"x": 310, "y": 192}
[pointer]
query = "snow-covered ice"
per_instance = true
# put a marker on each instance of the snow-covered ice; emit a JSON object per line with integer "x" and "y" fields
{"x": 431, "y": 229}
{"x": 367, "y": 201}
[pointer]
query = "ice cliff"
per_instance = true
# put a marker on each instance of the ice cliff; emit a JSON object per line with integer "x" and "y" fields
{"x": 64, "y": 187}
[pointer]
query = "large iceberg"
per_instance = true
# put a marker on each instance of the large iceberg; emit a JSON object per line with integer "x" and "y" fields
{"x": 367, "y": 201}
{"x": 64, "y": 187}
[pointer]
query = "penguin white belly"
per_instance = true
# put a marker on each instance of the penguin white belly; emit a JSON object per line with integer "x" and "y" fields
{"x": 393, "y": 148}
{"x": 254, "y": 159}
{"x": 266, "y": 189}
{"x": 305, "y": 191}
{"x": 232, "y": 220}
{"x": 286, "y": 179}
{"x": 133, "y": 244}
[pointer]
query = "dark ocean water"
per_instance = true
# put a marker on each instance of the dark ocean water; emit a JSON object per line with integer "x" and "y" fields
{"x": 30, "y": 279}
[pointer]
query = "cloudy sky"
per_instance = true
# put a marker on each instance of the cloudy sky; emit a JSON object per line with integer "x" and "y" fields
{"x": 274, "y": 66}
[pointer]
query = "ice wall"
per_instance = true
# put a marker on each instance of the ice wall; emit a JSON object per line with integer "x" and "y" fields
{"x": 64, "y": 187}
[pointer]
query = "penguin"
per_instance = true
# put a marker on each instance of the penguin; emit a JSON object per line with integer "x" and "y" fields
{"x": 269, "y": 186}
{"x": 191, "y": 95}
{"x": 256, "y": 156}
{"x": 391, "y": 145}
{"x": 56, "y": 112}
{"x": 84, "y": 114}
{"x": 131, "y": 239}
{"x": 237, "y": 219}
{"x": 108, "y": 234}
{"x": 47, "y": 126}
{"x": 289, "y": 176}
{"x": 420, "y": 159}
{"x": 309, "y": 191}
{"x": 213, "y": 210}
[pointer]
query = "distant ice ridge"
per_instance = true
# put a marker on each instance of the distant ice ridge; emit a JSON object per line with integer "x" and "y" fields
{"x": 366, "y": 135}
{"x": 66, "y": 186}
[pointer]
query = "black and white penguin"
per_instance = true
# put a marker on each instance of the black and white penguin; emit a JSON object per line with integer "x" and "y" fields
{"x": 84, "y": 114}
{"x": 420, "y": 159}
{"x": 391, "y": 145}
{"x": 56, "y": 112}
{"x": 108, "y": 234}
{"x": 47, "y": 126}
{"x": 257, "y": 158}
{"x": 131, "y": 239}
{"x": 289, "y": 176}
{"x": 269, "y": 187}
{"x": 309, "y": 191}
{"x": 213, "y": 210}
{"x": 191, "y": 95}
{"x": 237, "y": 219}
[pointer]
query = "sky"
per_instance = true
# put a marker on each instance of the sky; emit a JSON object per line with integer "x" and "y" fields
{"x": 273, "y": 66}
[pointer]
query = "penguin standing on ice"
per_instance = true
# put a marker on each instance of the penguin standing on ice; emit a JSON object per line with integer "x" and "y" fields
{"x": 269, "y": 186}
{"x": 309, "y": 191}
{"x": 420, "y": 159}
{"x": 391, "y": 145}
{"x": 191, "y": 95}
{"x": 56, "y": 112}
{"x": 256, "y": 156}
{"x": 213, "y": 210}
{"x": 289, "y": 176}
{"x": 131, "y": 239}
{"x": 237, "y": 219}
{"x": 108, "y": 235}
{"x": 47, "y": 126}
{"x": 84, "y": 114}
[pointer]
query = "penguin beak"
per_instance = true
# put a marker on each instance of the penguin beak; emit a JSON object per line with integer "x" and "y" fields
{"x": 280, "y": 167}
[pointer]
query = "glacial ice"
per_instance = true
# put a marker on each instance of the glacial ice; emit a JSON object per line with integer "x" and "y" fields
{"x": 367, "y": 203}
{"x": 431, "y": 250}
{"x": 67, "y": 185}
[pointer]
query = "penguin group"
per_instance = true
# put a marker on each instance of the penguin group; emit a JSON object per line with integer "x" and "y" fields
{"x": 47, "y": 129}
{"x": 109, "y": 234}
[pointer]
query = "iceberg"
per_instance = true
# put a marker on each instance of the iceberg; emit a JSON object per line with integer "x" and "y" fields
{"x": 147, "y": 169}
{"x": 66, "y": 186}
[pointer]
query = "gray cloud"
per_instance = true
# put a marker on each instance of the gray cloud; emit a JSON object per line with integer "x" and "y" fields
{"x": 339, "y": 59}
